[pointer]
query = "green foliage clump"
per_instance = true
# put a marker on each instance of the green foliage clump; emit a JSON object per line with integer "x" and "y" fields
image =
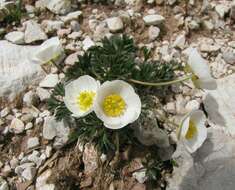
{"x": 114, "y": 59}
{"x": 14, "y": 14}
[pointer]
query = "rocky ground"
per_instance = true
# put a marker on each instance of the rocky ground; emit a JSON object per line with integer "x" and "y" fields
{"x": 34, "y": 148}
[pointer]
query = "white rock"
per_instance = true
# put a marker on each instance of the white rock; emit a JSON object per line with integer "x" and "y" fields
{"x": 62, "y": 134}
{"x": 43, "y": 94}
{"x": 59, "y": 6}
{"x": 17, "y": 126}
{"x": 34, "y": 157}
{"x": 71, "y": 59}
{"x": 192, "y": 105}
{"x": 87, "y": 43}
{"x": 48, "y": 151}
{"x": 32, "y": 142}
{"x": 153, "y": 19}
{"x": 220, "y": 104}
{"x": 29, "y": 126}
{"x": 153, "y": 33}
{"x": 16, "y": 69}
{"x": 71, "y": 16}
{"x": 171, "y": 2}
{"x": 41, "y": 182}
{"x": 171, "y": 107}
{"x": 212, "y": 167}
{"x": 49, "y": 128}
{"x": 29, "y": 173}
{"x": 15, "y": 37}
{"x": 49, "y": 81}
{"x": 115, "y": 24}
{"x": 229, "y": 57}
{"x": 4, "y": 112}
{"x": 33, "y": 32}
{"x": 51, "y": 26}
{"x": 208, "y": 25}
{"x": 140, "y": 176}
{"x": 14, "y": 162}
{"x": 180, "y": 41}
{"x": 222, "y": 9}
{"x": 30, "y": 98}
{"x": 3, "y": 184}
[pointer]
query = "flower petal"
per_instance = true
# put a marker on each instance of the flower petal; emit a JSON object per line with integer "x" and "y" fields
{"x": 199, "y": 119}
{"x": 48, "y": 51}
{"x": 74, "y": 88}
{"x": 132, "y": 100}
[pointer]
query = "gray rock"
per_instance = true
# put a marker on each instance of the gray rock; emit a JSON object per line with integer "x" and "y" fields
{"x": 51, "y": 26}
{"x": 71, "y": 16}
{"x": 154, "y": 19}
{"x": 59, "y": 6}
{"x": 229, "y": 57}
{"x": 180, "y": 41}
{"x": 115, "y": 24}
{"x": 220, "y": 104}
{"x": 17, "y": 72}
{"x": 43, "y": 94}
{"x": 42, "y": 181}
{"x": 49, "y": 81}
{"x": 87, "y": 43}
{"x": 17, "y": 126}
{"x": 4, "y": 112}
{"x": 153, "y": 33}
{"x": 15, "y": 37}
{"x": 148, "y": 132}
{"x": 32, "y": 142}
{"x": 3, "y": 184}
{"x": 33, "y": 32}
{"x": 172, "y": 2}
{"x": 29, "y": 173}
{"x": 30, "y": 98}
{"x": 222, "y": 9}
{"x": 49, "y": 128}
{"x": 212, "y": 167}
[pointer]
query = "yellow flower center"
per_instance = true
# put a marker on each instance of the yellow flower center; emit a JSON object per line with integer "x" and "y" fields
{"x": 114, "y": 105}
{"x": 192, "y": 130}
{"x": 85, "y": 100}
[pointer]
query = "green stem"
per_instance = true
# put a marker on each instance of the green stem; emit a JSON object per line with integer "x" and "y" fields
{"x": 187, "y": 77}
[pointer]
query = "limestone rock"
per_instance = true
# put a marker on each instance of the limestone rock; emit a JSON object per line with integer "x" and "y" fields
{"x": 220, "y": 104}
{"x": 3, "y": 184}
{"x": 87, "y": 43}
{"x": 15, "y": 37}
{"x": 71, "y": 16}
{"x": 49, "y": 128}
{"x": 153, "y": 32}
{"x": 16, "y": 71}
{"x": 115, "y": 24}
{"x": 42, "y": 181}
{"x": 59, "y": 6}
{"x": 212, "y": 167}
{"x": 154, "y": 19}
{"x": 33, "y": 32}
{"x": 49, "y": 81}
{"x": 32, "y": 142}
{"x": 17, "y": 126}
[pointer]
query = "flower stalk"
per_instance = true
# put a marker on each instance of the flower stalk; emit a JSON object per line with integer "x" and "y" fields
{"x": 181, "y": 79}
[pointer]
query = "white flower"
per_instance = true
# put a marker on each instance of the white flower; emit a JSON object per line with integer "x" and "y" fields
{"x": 201, "y": 72}
{"x": 193, "y": 131}
{"x": 117, "y": 104}
{"x": 80, "y": 95}
{"x": 48, "y": 51}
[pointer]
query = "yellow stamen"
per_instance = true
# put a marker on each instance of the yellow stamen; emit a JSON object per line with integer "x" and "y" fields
{"x": 192, "y": 130}
{"x": 114, "y": 105}
{"x": 85, "y": 100}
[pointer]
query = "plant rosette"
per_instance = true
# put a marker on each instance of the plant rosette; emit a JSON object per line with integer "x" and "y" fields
{"x": 106, "y": 91}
